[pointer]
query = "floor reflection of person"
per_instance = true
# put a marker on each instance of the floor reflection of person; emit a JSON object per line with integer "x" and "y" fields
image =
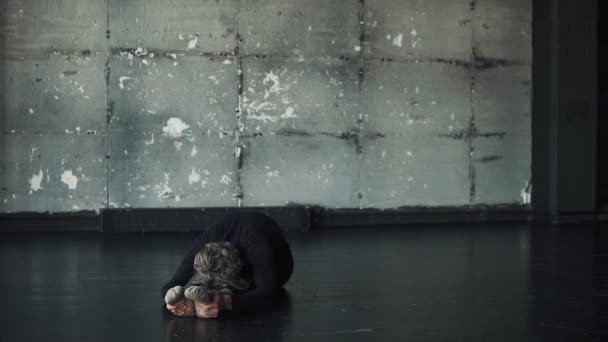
{"x": 238, "y": 264}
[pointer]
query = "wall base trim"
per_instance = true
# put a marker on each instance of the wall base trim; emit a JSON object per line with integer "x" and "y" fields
{"x": 301, "y": 218}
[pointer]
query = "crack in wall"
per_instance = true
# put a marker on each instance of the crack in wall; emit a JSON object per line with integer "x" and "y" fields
{"x": 356, "y": 137}
{"x": 109, "y": 104}
{"x": 472, "y": 130}
{"x": 238, "y": 145}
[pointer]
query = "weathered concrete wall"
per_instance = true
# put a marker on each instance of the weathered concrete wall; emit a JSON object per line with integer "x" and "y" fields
{"x": 375, "y": 103}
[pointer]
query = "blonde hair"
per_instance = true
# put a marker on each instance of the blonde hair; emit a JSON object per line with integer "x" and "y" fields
{"x": 218, "y": 266}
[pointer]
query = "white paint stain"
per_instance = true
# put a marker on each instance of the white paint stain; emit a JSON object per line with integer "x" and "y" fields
{"x": 276, "y": 84}
{"x": 151, "y": 141}
{"x": 193, "y": 152}
{"x": 192, "y": 43}
{"x": 35, "y": 181}
{"x": 194, "y": 177}
{"x": 145, "y": 62}
{"x": 274, "y": 173}
{"x": 175, "y": 128}
{"x": 121, "y": 81}
{"x": 31, "y": 111}
{"x": 32, "y": 153}
{"x": 178, "y": 145}
{"x": 163, "y": 191}
{"x": 357, "y": 48}
{"x": 262, "y": 117}
{"x": 526, "y": 193}
{"x": 288, "y": 113}
{"x": 398, "y": 40}
{"x": 214, "y": 79}
{"x": 140, "y": 52}
{"x": 225, "y": 180}
{"x": 69, "y": 179}
{"x": 180, "y": 36}
{"x": 415, "y": 40}
{"x": 227, "y": 62}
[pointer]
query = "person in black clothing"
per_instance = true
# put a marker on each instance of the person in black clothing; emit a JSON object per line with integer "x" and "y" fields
{"x": 238, "y": 264}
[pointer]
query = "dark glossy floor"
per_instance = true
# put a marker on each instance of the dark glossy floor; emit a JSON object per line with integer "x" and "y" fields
{"x": 458, "y": 283}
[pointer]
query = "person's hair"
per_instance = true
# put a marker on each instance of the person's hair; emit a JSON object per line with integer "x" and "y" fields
{"x": 218, "y": 265}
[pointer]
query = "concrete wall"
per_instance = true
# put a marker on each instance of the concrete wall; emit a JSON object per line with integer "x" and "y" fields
{"x": 351, "y": 103}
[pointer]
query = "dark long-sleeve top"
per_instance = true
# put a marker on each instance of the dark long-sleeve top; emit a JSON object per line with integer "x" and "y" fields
{"x": 263, "y": 249}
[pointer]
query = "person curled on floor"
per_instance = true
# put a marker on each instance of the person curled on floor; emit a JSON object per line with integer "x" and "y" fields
{"x": 238, "y": 264}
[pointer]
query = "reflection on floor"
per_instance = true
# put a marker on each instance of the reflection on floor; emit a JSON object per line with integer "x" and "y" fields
{"x": 451, "y": 283}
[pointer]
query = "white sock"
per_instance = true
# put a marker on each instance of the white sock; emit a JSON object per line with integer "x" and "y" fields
{"x": 174, "y": 295}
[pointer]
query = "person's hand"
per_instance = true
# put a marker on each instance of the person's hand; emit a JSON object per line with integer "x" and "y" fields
{"x": 183, "y": 308}
{"x": 209, "y": 310}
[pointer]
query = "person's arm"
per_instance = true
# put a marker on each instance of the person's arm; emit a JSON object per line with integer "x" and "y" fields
{"x": 265, "y": 278}
{"x": 186, "y": 269}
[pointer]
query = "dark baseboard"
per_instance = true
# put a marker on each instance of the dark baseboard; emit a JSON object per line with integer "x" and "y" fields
{"x": 336, "y": 218}
{"x": 291, "y": 218}
{"x": 193, "y": 219}
{"x": 25, "y": 222}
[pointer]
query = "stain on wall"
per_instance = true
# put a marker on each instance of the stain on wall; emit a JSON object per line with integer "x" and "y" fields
{"x": 349, "y": 104}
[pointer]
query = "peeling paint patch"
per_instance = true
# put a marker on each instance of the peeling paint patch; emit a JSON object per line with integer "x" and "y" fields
{"x": 288, "y": 113}
{"x": 32, "y": 153}
{"x": 398, "y": 40}
{"x": 121, "y": 81}
{"x": 276, "y": 84}
{"x": 175, "y": 128}
{"x": 35, "y": 182}
{"x": 163, "y": 190}
{"x": 526, "y": 193}
{"x": 140, "y": 52}
{"x": 192, "y": 43}
{"x": 151, "y": 141}
{"x": 225, "y": 180}
{"x": 415, "y": 39}
{"x": 194, "y": 177}
{"x": 69, "y": 179}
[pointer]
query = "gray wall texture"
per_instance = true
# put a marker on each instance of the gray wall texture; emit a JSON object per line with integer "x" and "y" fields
{"x": 343, "y": 104}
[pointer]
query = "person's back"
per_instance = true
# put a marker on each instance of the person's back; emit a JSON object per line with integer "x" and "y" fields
{"x": 262, "y": 260}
